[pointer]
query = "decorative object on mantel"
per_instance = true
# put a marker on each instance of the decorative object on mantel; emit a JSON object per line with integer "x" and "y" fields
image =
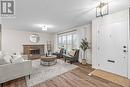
{"x": 84, "y": 46}
{"x": 102, "y": 9}
{"x": 34, "y": 38}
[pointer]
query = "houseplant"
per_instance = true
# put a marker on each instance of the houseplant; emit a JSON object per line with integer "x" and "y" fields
{"x": 84, "y": 46}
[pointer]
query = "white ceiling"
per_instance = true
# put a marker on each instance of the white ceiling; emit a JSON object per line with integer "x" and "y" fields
{"x": 60, "y": 14}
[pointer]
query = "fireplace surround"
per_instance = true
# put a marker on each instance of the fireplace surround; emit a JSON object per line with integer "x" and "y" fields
{"x": 33, "y": 51}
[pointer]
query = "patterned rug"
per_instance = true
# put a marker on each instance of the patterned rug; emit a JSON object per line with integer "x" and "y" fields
{"x": 44, "y": 73}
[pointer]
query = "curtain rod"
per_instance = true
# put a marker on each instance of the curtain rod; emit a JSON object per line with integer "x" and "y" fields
{"x": 66, "y": 32}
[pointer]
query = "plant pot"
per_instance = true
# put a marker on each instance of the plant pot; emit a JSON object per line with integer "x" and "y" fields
{"x": 84, "y": 61}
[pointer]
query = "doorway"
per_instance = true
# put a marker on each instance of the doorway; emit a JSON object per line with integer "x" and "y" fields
{"x": 113, "y": 47}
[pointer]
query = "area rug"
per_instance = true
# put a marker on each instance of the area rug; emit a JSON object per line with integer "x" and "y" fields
{"x": 44, "y": 73}
{"x": 111, "y": 77}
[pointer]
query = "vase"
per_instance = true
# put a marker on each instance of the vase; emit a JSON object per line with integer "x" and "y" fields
{"x": 84, "y": 61}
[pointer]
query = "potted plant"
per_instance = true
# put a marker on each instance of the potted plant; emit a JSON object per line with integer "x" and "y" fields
{"x": 84, "y": 46}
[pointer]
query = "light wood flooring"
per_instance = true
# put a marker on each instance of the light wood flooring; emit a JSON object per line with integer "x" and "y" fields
{"x": 111, "y": 77}
{"x": 75, "y": 78}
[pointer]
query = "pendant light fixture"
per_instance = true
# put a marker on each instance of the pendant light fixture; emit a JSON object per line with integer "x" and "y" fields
{"x": 102, "y": 9}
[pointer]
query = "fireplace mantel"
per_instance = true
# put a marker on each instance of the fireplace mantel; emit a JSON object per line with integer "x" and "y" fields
{"x": 33, "y": 51}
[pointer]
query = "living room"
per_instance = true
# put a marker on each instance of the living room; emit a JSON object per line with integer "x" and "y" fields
{"x": 65, "y": 43}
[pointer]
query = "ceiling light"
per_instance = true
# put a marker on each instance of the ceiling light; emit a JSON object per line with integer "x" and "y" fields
{"x": 42, "y": 25}
{"x": 44, "y": 28}
{"x": 102, "y": 10}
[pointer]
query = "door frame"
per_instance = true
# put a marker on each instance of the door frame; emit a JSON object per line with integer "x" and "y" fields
{"x": 129, "y": 44}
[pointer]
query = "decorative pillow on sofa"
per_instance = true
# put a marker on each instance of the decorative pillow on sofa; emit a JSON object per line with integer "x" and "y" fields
{"x": 5, "y": 59}
{"x": 16, "y": 56}
{"x": 17, "y": 59}
{"x": 2, "y": 61}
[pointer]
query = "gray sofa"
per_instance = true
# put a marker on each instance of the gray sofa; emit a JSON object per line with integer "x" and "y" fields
{"x": 15, "y": 70}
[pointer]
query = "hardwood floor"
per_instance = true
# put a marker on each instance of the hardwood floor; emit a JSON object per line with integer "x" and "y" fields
{"x": 74, "y": 78}
{"x": 111, "y": 77}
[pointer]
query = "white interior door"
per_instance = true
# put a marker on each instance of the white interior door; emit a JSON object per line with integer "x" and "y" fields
{"x": 112, "y": 47}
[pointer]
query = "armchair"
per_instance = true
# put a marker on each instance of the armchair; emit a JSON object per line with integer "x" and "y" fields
{"x": 72, "y": 58}
{"x": 59, "y": 54}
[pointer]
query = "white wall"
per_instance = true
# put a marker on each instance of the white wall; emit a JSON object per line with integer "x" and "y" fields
{"x": 82, "y": 32}
{"x": 13, "y": 40}
{"x": 96, "y": 24}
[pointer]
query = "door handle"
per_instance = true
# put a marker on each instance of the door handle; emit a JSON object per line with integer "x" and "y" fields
{"x": 124, "y": 46}
{"x": 124, "y": 51}
{"x": 112, "y": 61}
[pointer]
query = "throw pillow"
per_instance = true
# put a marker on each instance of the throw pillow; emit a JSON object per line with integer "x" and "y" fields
{"x": 7, "y": 58}
{"x": 17, "y": 59}
{"x": 72, "y": 53}
{"x": 2, "y": 61}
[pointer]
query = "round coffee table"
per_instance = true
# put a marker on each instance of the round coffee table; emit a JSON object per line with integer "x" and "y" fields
{"x": 48, "y": 61}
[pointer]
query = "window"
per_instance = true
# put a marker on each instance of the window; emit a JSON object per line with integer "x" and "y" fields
{"x": 60, "y": 41}
{"x": 74, "y": 41}
{"x": 68, "y": 41}
{"x": 64, "y": 41}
